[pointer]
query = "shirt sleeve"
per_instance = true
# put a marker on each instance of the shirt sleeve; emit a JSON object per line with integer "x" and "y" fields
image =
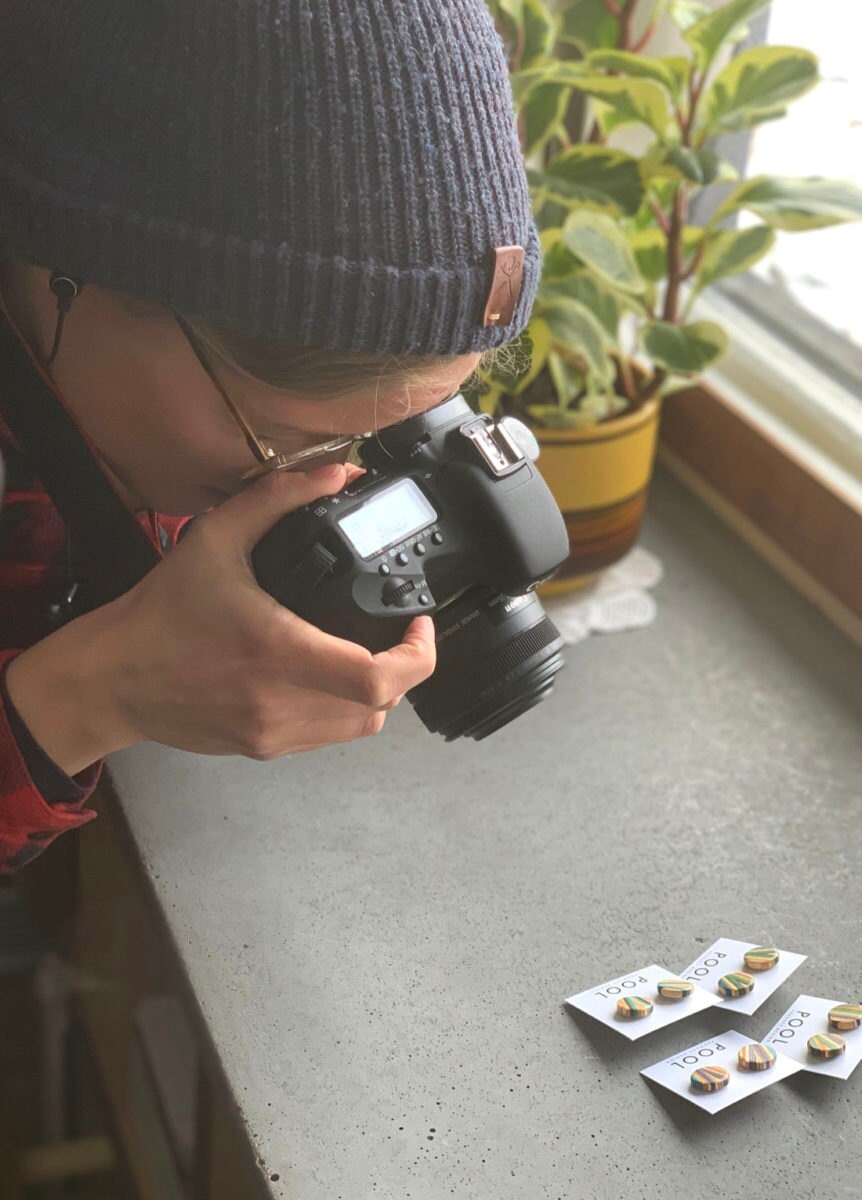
{"x": 38, "y": 801}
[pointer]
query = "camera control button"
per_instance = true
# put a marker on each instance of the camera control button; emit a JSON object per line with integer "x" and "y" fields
{"x": 419, "y": 549}
{"x": 437, "y": 537}
{"x": 397, "y": 592}
{"x": 424, "y": 599}
{"x": 402, "y": 559}
{"x": 316, "y": 565}
{"x": 384, "y": 569}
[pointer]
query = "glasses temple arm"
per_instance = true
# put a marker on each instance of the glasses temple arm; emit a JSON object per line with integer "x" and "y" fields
{"x": 260, "y": 452}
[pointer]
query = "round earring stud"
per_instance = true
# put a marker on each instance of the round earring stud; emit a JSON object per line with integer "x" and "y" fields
{"x": 756, "y": 1057}
{"x": 845, "y": 1016}
{"x": 763, "y": 958}
{"x": 736, "y": 984}
{"x": 633, "y": 1008}
{"x": 674, "y": 989}
{"x": 827, "y": 1045}
{"x": 710, "y": 1079}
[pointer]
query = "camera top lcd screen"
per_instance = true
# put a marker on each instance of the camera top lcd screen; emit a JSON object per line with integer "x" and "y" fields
{"x": 390, "y": 516}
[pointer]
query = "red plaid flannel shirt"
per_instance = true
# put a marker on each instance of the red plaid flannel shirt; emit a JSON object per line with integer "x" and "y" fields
{"x": 32, "y": 542}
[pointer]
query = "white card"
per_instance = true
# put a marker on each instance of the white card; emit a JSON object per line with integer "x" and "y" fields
{"x": 726, "y": 955}
{"x": 674, "y": 1073}
{"x": 601, "y": 1002}
{"x": 805, "y": 1017}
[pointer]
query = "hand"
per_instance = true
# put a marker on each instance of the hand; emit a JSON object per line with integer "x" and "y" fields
{"x": 197, "y": 656}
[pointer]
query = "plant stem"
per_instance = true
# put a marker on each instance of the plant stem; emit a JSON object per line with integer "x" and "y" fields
{"x": 626, "y": 15}
{"x": 695, "y": 91}
{"x": 697, "y": 259}
{"x": 628, "y": 380}
{"x": 651, "y": 387}
{"x": 674, "y": 254}
{"x": 644, "y": 39}
{"x": 660, "y": 215}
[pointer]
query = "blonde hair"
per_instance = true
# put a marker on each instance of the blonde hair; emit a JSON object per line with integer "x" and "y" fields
{"x": 321, "y": 373}
{"x": 313, "y": 372}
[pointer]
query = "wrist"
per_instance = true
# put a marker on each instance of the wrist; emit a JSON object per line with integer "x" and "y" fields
{"x": 63, "y": 690}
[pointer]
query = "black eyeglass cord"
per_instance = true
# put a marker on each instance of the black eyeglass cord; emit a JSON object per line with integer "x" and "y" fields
{"x": 65, "y": 288}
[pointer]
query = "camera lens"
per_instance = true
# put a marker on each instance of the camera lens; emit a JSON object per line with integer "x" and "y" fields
{"x": 497, "y": 657}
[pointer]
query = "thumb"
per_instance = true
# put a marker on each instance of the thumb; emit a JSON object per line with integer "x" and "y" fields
{"x": 246, "y": 517}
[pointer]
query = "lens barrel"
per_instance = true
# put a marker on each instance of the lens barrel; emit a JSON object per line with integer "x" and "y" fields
{"x": 497, "y": 657}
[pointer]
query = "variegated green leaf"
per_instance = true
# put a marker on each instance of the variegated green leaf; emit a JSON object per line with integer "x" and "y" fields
{"x": 586, "y": 290}
{"x": 635, "y": 66}
{"x": 650, "y": 249}
{"x": 511, "y": 8}
{"x": 588, "y": 24}
{"x": 683, "y": 349}
{"x": 558, "y": 262}
{"x": 710, "y": 32}
{"x": 524, "y": 83}
{"x": 795, "y": 204}
{"x": 539, "y": 30}
{"x": 680, "y": 70}
{"x": 699, "y": 166}
{"x": 489, "y": 401}
{"x": 639, "y": 100}
{"x": 758, "y": 82}
{"x": 686, "y": 12}
{"x": 567, "y": 378}
{"x": 600, "y": 242}
{"x": 575, "y": 329}
{"x": 538, "y": 335}
{"x": 543, "y": 110}
{"x": 548, "y": 416}
{"x": 733, "y": 251}
{"x": 593, "y": 177}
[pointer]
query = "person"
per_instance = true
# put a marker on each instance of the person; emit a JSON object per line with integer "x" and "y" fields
{"x": 229, "y": 228}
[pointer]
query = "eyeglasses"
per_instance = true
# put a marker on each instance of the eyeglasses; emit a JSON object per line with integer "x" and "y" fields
{"x": 268, "y": 460}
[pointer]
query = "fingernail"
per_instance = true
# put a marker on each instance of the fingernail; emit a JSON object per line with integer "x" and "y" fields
{"x": 321, "y": 474}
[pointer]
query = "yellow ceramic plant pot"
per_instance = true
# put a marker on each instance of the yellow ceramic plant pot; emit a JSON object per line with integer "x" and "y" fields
{"x": 599, "y": 477}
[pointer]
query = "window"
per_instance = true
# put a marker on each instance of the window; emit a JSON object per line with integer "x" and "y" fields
{"x": 808, "y": 289}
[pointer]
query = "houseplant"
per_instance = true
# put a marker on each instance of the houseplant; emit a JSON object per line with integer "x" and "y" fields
{"x": 625, "y": 255}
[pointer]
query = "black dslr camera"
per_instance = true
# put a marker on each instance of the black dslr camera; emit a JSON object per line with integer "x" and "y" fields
{"x": 453, "y": 519}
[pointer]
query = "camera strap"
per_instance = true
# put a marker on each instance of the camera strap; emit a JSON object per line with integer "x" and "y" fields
{"x": 110, "y": 550}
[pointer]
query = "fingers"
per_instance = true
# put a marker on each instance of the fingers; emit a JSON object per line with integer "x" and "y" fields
{"x": 246, "y": 517}
{"x": 318, "y": 734}
{"x": 412, "y": 661}
{"x": 316, "y": 660}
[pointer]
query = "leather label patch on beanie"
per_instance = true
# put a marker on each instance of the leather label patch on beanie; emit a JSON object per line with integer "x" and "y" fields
{"x": 505, "y": 286}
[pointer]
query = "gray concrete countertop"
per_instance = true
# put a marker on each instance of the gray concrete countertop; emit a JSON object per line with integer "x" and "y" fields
{"x": 380, "y": 936}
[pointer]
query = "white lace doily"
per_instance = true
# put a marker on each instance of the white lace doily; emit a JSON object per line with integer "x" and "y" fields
{"x": 619, "y": 600}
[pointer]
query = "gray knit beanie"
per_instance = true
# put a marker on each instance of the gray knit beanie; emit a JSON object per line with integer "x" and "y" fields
{"x": 333, "y": 173}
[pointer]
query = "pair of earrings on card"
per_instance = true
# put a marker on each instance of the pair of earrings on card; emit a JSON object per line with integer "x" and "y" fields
{"x": 846, "y": 1017}
{"x": 754, "y": 1057}
{"x": 757, "y": 1056}
{"x": 730, "y": 986}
